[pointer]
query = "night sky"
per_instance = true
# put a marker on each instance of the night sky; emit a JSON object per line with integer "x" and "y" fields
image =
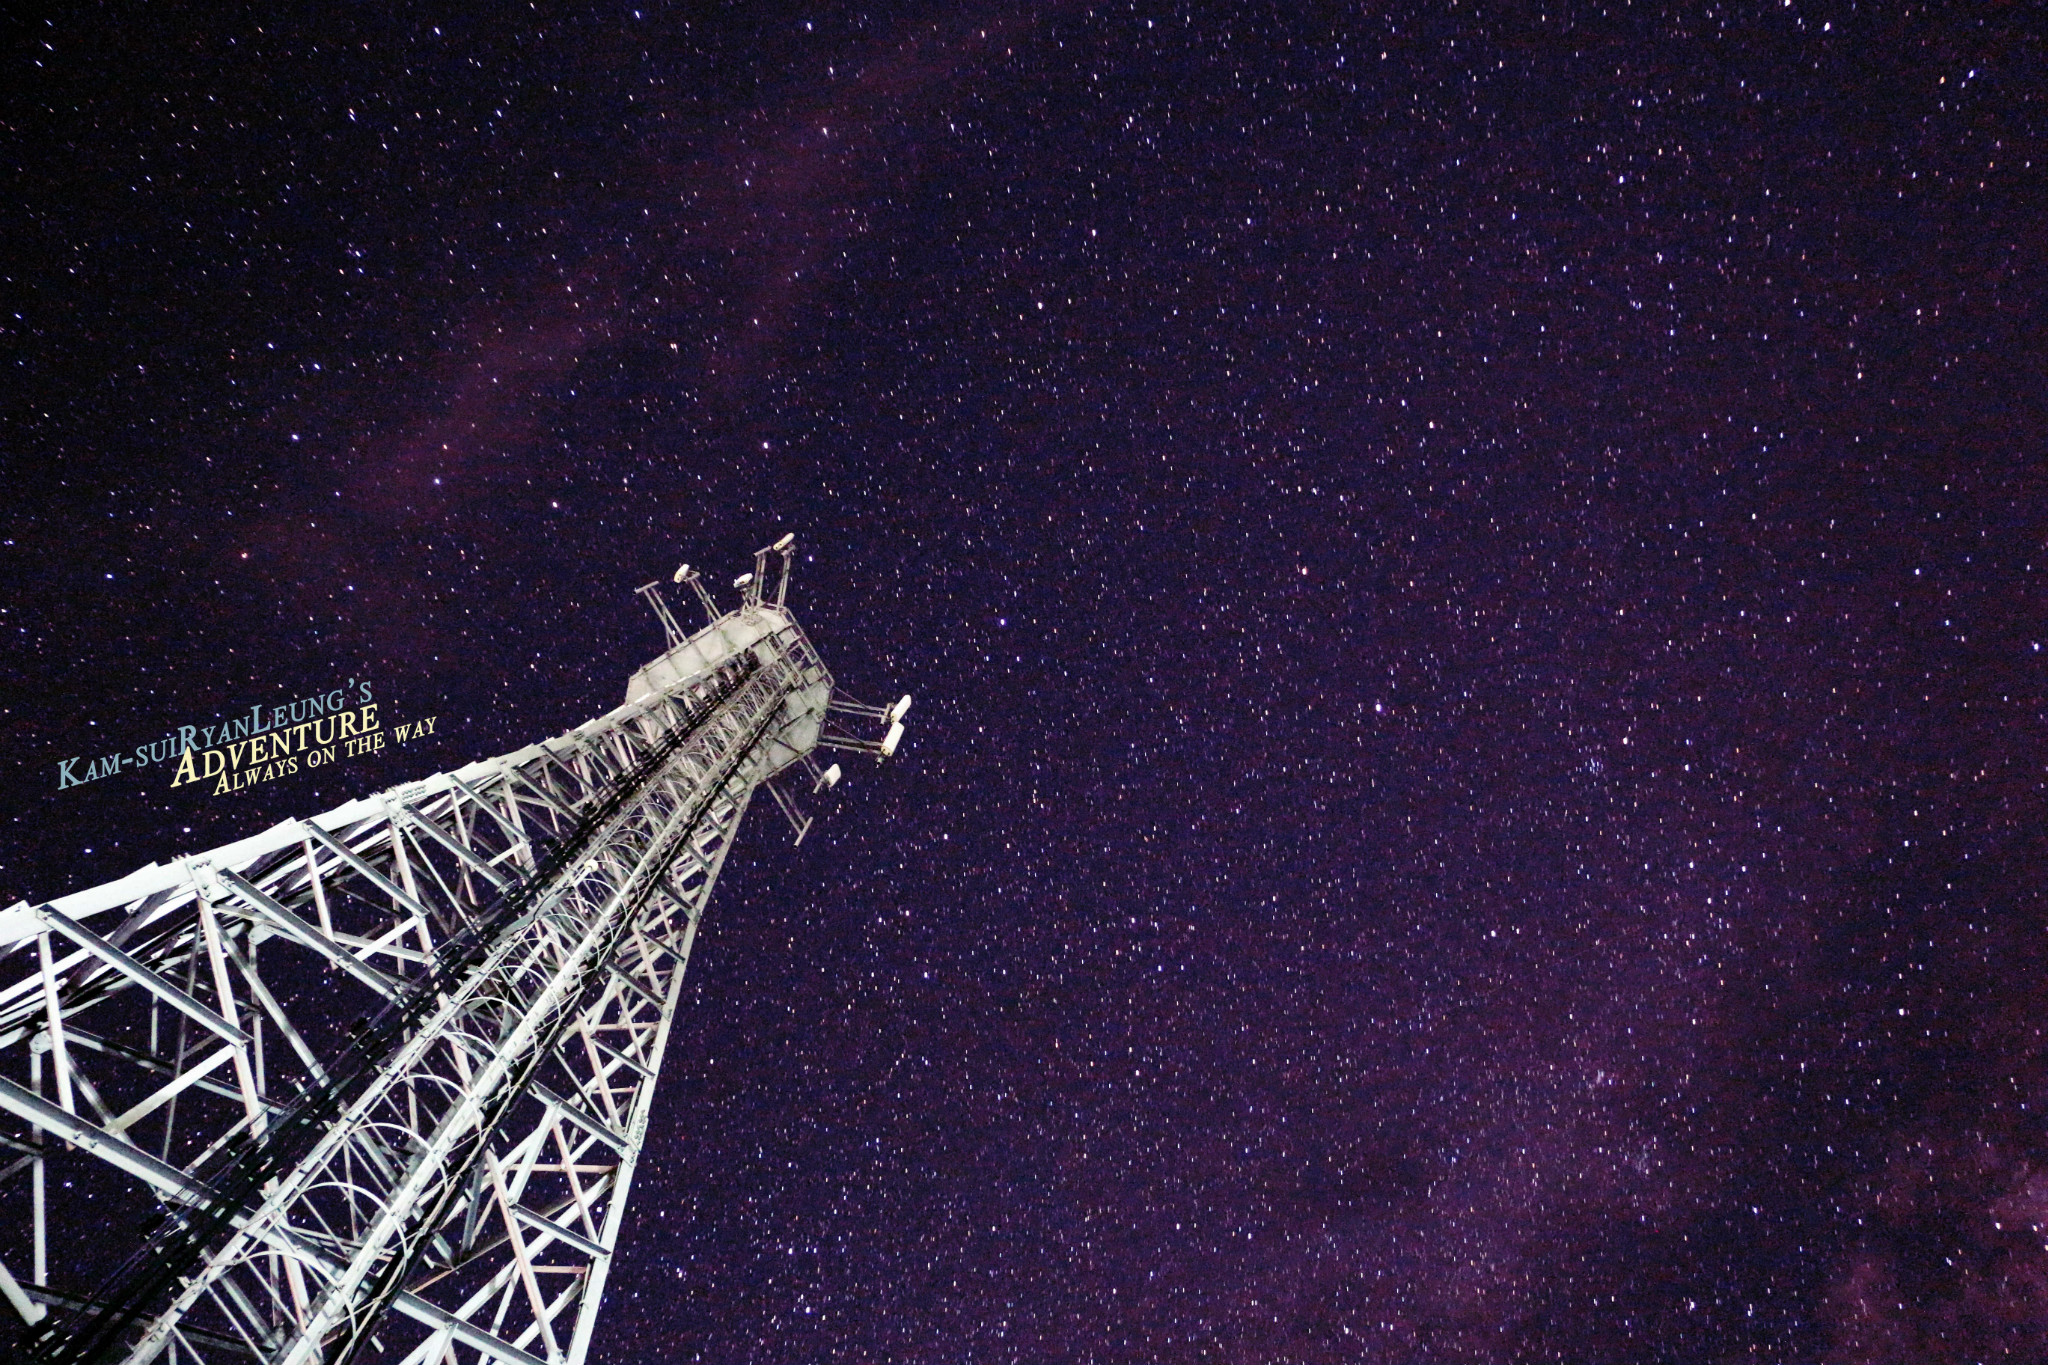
{"x": 1473, "y": 578}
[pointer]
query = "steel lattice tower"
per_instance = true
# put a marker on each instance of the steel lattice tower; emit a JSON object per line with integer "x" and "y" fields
{"x": 442, "y": 1180}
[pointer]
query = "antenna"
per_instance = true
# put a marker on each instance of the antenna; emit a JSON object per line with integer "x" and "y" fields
{"x": 786, "y": 547}
{"x": 688, "y": 575}
{"x": 837, "y": 736}
{"x": 821, "y": 781}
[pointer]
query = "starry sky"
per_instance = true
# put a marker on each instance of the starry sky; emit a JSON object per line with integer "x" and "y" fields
{"x": 1472, "y": 576}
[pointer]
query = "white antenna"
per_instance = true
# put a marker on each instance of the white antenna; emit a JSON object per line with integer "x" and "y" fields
{"x": 838, "y": 737}
{"x": 688, "y": 575}
{"x": 786, "y": 547}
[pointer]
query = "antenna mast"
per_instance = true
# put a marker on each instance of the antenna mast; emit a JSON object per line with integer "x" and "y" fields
{"x": 442, "y": 1180}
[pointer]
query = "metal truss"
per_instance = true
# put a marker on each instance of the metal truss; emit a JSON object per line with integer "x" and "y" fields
{"x": 372, "y": 1085}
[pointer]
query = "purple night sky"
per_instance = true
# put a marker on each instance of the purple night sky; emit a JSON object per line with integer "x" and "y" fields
{"x": 1473, "y": 577}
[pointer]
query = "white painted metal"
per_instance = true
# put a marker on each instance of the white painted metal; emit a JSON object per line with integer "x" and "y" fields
{"x": 442, "y": 1180}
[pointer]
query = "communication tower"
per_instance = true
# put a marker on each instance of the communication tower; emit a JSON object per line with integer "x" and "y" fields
{"x": 370, "y": 1086}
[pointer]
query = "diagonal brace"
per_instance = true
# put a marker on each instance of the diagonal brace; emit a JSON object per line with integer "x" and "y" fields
{"x": 139, "y": 974}
{"x": 115, "y": 1151}
{"x": 308, "y": 936}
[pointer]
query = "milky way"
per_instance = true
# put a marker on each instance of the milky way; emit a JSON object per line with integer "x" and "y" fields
{"x": 1472, "y": 578}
